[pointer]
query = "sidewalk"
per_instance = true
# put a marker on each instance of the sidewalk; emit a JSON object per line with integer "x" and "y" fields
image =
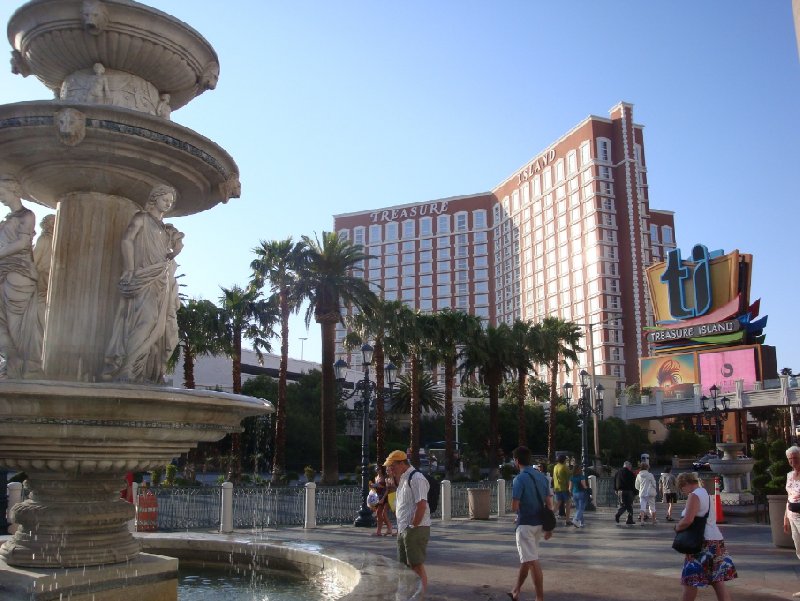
{"x": 477, "y": 560}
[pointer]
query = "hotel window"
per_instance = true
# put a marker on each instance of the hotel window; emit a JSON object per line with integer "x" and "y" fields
{"x": 374, "y": 274}
{"x": 426, "y": 304}
{"x": 479, "y": 219}
{"x": 426, "y": 255}
{"x": 443, "y": 303}
{"x": 443, "y": 242}
{"x": 560, "y": 170}
{"x": 426, "y": 280}
{"x": 443, "y": 224}
{"x": 588, "y": 191}
{"x": 482, "y": 299}
{"x": 666, "y": 234}
{"x": 461, "y": 222}
{"x": 605, "y": 188}
{"x": 408, "y": 294}
{"x": 391, "y": 249}
{"x": 482, "y": 312}
{"x": 462, "y": 264}
{"x": 409, "y": 258}
{"x": 604, "y": 149}
{"x": 409, "y": 281}
{"x": 462, "y": 239}
{"x": 536, "y": 187}
{"x": 614, "y": 354}
{"x": 526, "y": 194}
{"x": 605, "y": 173}
{"x": 609, "y": 236}
{"x": 572, "y": 162}
{"x": 374, "y": 234}
{"x": 409, "y": 247}
{"x": 443, "y": 290}
{"x": 375, "y": 262}
{"x": 410, "y": 304}
{"x": 390, "y": 260}
{"x": 585, "y": 154}
{"x": 390, "y": 295}
{"x": 461, "y": 276}
{"x": 374, "y": 287}
{"x": 481, "y": 261}
{"x": 514, "y": 201}
{"x": 496, "y": 213}
{"x": 390, "y": 284}
{"x": 426, "y": 267}
{"x": 462, "y": 288}
{"x": 462, "y": 302}
{"x": 654, "y": 234}
{"x": 481, "y": 286}
{"x": 443, "y": 266}
{"x": 391, "y": 231}
{"x": 358, "y": 235}
{"x": 608, "y": 204}
{"x": 443, "y": 277}
{"x": 390, "y": 272}
{"x": 443, "y": 253}
{"x": 481, "y": 249}
{"x": 426, "y": 243}
{"x": 561, "y": 192}
{"x": 548, "y": 179}
{"x": 408, "y": 269}
{"x": 426, "y": 226}
{"x": 426, "y": 292}
{"x": 462, "y": 251}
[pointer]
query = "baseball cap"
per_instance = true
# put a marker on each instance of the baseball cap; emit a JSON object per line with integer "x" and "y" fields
{"x": 394, "y": 456}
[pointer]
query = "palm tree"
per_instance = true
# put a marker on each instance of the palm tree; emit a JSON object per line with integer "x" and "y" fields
{"x": 559, "y": 344}
{"x": 332, "y": 276}
{"x": 378, "y": 324}
{"x": 245, "y": 314}
{"x": 199, "y": 333}
{"x": 449, "y": 330}
{"x": 524, "y": 349}
{"x": 277, "y": 265}
{"x": 490, "y": 355}
{"x": 429, "y": 394}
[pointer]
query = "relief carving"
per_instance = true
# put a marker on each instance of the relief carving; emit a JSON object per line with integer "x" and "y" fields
{"x": 209, "y": 78}
{"x": 42, "y": 259}
{"x": 70, "y": 126}
{"x": 19, "y": 66}
{"x": 231, "y": 188}
{"x": 164, "y": 110}
{"x": 95, "y": 16}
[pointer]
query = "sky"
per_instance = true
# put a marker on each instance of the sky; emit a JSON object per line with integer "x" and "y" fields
{"x": 336, "y": 107}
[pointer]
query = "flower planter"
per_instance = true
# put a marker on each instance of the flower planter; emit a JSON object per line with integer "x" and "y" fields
{"x": 777, "y": 508}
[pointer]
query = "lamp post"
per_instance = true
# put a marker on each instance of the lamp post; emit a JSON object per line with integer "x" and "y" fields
{"x": 586, "y": 408}
{"x": 364, "y": 518}
{"x": 716, "y": 412}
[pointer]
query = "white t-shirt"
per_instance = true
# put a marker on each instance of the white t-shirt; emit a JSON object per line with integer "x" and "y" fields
{"x": 712, "y": 531}
{"x": 408, "y": 495}
{"x": 646, "y": 484}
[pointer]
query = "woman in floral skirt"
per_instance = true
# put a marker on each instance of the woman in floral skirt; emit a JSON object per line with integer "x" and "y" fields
{"x": 712, "y": 566}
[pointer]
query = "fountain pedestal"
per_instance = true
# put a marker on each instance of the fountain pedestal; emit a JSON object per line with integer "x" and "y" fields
{"x": 732, "y": 468}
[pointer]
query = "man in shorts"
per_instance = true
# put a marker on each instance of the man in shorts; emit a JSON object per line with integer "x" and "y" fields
{"x": 412, "y": 512}
{"x": 669, "y": 491}
{"x": 561, "y": 475}
{"x": 529, "y": 490}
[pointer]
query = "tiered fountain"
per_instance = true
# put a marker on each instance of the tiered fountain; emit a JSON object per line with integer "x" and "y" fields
{"x": 732, "y": 469}
{"x": 85, "y": 349}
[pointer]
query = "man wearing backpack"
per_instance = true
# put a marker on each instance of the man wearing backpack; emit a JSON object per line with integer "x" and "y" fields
{"x": 413, "y": 513}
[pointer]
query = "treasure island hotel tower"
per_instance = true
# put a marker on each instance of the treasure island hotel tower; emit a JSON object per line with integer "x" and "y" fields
{"x": 568, "y": 234}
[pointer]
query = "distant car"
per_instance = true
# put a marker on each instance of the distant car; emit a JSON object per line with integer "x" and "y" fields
{"x": 702, "y": 463}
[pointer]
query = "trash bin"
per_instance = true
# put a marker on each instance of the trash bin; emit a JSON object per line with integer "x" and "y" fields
{"x": 479, "y": 500}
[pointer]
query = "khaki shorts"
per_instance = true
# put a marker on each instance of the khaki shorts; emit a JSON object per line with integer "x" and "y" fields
{"x": 412, "y": 545}
{"x": 528, "y": 542}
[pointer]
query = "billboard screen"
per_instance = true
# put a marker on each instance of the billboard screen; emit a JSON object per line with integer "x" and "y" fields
{"x": 723, "y": 368}
{"x": 674, "y": 373}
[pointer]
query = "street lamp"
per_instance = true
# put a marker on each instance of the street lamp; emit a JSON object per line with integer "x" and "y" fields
{"x": 586, "y": 408}
{"x": 716, "y": 412}
{"x": 364, "y": 518}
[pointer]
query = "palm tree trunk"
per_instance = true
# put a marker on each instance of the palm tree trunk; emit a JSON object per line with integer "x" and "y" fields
{"x": 551, "y": 422}
{"x": 330, "y": 458}
{"x": 279, "y": 457}
{"x": 449, "y": 456}
{"x": 380, "y": 418}
{"x": 236, "y": 437}
{"x": 415, "y": 410}
{"x": 188, "y": 367}
{"x": 522, "y": 439}
{"x": 494, "y": 402}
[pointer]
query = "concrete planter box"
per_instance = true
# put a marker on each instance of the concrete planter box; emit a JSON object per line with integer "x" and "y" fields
{"x": 777, "y": 508}
{"x": 479, "y": 500}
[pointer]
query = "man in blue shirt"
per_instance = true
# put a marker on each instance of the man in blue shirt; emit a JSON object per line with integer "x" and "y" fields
{"x": 529, "y": 491}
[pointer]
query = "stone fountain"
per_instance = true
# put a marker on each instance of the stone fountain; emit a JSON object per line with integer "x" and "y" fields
{"x": 85, "y": 348}
{"x": 732, "y": 469}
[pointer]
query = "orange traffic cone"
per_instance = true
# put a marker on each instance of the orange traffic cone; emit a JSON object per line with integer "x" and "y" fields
{"x": 718, "y": 502}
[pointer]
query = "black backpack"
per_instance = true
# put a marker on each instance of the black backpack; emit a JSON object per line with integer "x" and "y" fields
{"x": 433, "y": 489}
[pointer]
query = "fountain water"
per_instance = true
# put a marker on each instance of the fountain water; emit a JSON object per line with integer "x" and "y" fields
{"x": 82, "y": 402}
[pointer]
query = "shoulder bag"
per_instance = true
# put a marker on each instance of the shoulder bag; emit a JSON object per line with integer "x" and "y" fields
{"x": 545, "y": 514}
{"x": 690, "y": 540}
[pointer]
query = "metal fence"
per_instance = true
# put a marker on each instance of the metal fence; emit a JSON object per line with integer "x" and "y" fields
{"x": 188, "y": 508}
{"x": 336, "y": 504}
{"x": 267, "y": 506}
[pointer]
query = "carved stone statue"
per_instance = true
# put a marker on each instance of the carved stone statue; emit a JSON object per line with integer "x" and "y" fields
{"x": 163, "y": 109}
{"x": 95, "y": 16}
{"x": 42, "y": 259}
{"x": 20, "y": 330}
{"x": 70, "y": 126}
{"x": 19, "y": 66}
{"x": 208, "y": 79}
{"x": 145, "y": 329}
{"x": 99, "y": 92}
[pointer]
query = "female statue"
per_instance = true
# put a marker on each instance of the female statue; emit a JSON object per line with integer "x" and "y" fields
{"x": 145, "y": 330}
{"x": 20, "y": 330}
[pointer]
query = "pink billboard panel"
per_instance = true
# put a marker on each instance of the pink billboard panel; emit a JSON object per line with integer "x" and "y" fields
{"x": 723, "y": 368}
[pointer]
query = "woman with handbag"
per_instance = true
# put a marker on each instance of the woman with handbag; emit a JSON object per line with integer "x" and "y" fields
{"x": 791, "y": 518}
{"x": 712, "y": 565}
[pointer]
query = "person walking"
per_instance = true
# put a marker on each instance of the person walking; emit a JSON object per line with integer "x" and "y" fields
{"x": 624, "y": 485}
{"x": 579, "y": 489}
{"x": 646, "y": 485}
{"x": 791, "y": 517}
{"x": 412, "y": 512}
{"x": 712, "y": 566}
{"x": 561, "y": 476}
{"x": 529, "y": 492}
{"x": 383, "y": 486}
{"x": 669, "y": 492}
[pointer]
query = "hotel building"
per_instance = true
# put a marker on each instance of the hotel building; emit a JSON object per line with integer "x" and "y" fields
{"x": 568, "y": 234}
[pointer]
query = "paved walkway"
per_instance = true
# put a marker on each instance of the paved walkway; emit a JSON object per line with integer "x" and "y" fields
{"x": 477, "y": 560}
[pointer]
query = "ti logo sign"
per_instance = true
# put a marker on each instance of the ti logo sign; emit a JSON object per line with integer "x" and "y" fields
{"x": 675, "y": 277}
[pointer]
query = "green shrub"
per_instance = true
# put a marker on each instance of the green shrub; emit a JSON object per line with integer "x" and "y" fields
{"x": 155, "y": 476}
{"x": 506, "y": 472}
{"x": 171, "y": 473}
{"x": 309, "y": 473}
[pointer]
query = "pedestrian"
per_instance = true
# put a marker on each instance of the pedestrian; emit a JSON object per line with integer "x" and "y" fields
{"x": 712, "y": 566}
{"x": 579, "y": 489}
{"x": 412, "y": 512}
{"x": 791, "y": 518}
{"x": 624, "y": 485}
{"x": 646, "y": 485}
{"x": 669, "y": 491}
{"x": 529, "y": 492}
{"x": 383, "y": 486}
{"x": 561, "y": 476}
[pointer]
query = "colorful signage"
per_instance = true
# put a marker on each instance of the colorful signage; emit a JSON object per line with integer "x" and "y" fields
{"x": 673, "y": 372}
{"x": 725, "y": 327}
{"x": 723, "y": 368}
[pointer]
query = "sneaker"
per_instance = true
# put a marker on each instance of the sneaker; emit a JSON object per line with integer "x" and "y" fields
{"x": 669, "y": 519}
{"x": 629, "y": 522}
{"x": 616, "y": 518}
{"x": 576, "y": 524}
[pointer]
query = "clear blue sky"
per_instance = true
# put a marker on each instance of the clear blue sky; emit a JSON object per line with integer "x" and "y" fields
{"x": 332, "y": 107}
